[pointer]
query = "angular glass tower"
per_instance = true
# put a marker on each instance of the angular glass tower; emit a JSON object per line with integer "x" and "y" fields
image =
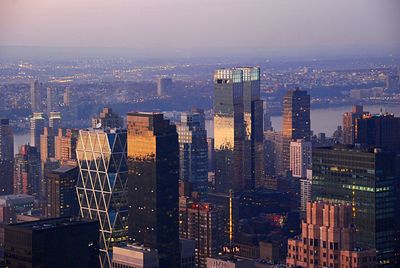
{"x": 153, "y": 160}
{"x": 102, "y": 186}
{"x": 229, "y": 129}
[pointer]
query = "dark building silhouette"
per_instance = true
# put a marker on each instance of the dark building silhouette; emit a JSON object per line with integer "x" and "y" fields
{"x": 58, "y": 242}
{"x": 349, "y": 124}
{"x": 366, "y": 180}
{"x": 6, "y": 157}
{"x": 153, "y": 161}
{"x": 379, "y": 130}
{"x": 107, "y": 119}
{"x": 27, "y": 170}
{"x": 61, "y": 192}
{"x": 164, "y": 85}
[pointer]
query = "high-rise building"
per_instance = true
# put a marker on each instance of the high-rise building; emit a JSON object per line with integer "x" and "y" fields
{"x": 379, "y": 130}
{"x": 46, "y": 166}
{"x": 211, "y": 157}
{"x": 274, "y": 143}
{"x": 267, "y": 117}
{"x": 55, "y": 121}
{"x": 61, "y": 193}
{"x": 366, "y": 180}
{"x": 296, "y": 115}
{"x": 134, "y": 256}
{"x": 164, "y": 84}
{"x": 65, "y": 145}
{"x": 102, "y": 186}
{"x": 6, "y": 157}
{"x": 296, "y": 121}
{"x": 52, "y": 102}
{"x": 229, "y": 263}
{"x": 203, "y": 223}
{"x": 349, "y": 124}
{"x": 305, "y": 191}
{"x": 107, "y": 119}
{"x": 37, "y": 127}
{"x": 187, "y": 251}
{"x": 229, "y": 129}
{"x": 153, "y": 159}
{"x": 36, "y": 97}
{"x": 193, "y": 150}
{"x": 27, "y": 171}
{"x": 59, "y": 242}
{"x": 327, "y": 240}
{"x": 253, "y": 152}
{"x": 300, "y": 158}
{"x": 47, "y": 144}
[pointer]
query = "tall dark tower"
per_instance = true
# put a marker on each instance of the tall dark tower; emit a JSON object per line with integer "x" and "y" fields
{"x": 253, "y": 157}
{"x": 6, "y": 157}
{"x": 153, "y": 161}
{"x": 296, "y": 115}
{"x": 229, "y": 129}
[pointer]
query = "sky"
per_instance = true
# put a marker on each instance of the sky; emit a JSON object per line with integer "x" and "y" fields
{"x": 270, "y": 26}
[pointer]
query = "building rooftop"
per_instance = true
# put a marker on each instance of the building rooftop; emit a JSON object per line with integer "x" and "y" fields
{"x": 47, "y": 224}
{"x": 63, "y": 169}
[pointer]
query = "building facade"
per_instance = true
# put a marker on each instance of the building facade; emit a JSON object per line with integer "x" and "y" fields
{"x": 107, "y": 119}
{"x": 102, "y": 186}
{"x": 27, "y": 171}
{"x": 6, "y": 157}
{"x": 153, "y": 159}
{"x": 300, "y": 158}
{"x": 134, "y": 256}
{"x": 38, "y": 123}
{"x": 349, "y": 124}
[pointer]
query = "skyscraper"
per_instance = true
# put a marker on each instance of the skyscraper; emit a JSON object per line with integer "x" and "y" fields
{"x": 296, "y": 115}
{"x": 327, "y": 240}
{"x": 47, "y": 144}
{"x": 253, "y": 152}
{"x": 65, "y": 145}
{"x": 36, "y": 97}
{"x": 300, "y": 158}
{"x": 193, "y": 150}
{"x": 37, "y": 127}
{"x": 349, "y": 124}
{"x": 134, "y": 256}
{"x": 6, "y": 157}
{"x": 59, "y": 242}
{"x": 52, "y": 103}
{"x": 61, "y": 193}
{"x": 102, "y": 186}
{"x": 153, "y": 159}
{"x": 366, "y": 180}
{"x": 55, "y": 121}
{"x": 229, "y": 129}
{"x": 379, "y": 130}
{"x": 107, "y": 119}
{"x": 27, "y": 171}
{"x": 164, "y": 84}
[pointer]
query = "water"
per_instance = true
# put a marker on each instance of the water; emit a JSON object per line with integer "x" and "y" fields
{"x": 326, "y": 120}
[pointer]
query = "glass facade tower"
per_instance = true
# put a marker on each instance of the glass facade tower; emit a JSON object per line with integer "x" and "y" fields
{"x": 153, "y": 160}
{"x": 102, "y": 186}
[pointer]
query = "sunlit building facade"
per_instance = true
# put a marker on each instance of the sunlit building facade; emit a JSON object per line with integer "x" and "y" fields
{"x": 153, "y": 160}
{"x": 102, "y": 186}
{"x": 229, "y": 129}
{"x": 27, "y": 171}
{"x": 37, "y": 126}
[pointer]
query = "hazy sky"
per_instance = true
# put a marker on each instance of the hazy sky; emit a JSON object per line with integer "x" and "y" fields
{"x": 265, "y": 25}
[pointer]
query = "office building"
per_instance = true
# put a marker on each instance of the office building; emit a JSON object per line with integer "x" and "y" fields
{"x": 47, "y": 144}
{"x": 65, "y": 145}
{"x": 107, "y": 119}
{"x": 37, "y": 127}
{"x": 211, "y": 157}
{"x": 164, "y": 85}
{"x": 6, "y": 157}
{"x": 52, "y": 102}
{"x": 366, "y": 180}
{"x": 187, "y": 250}
{"x": 253, "y": 152}
{"x": 229, "y": 129}
{"x": 27, "y": 171}
{"x": 274, "y": 143}
{"x": 327, "y": 240}
{"x": 13, "y": 205}
{"x": 193, "y": 150}
{"x": 305, "y": 191}
{"x": 379, "y": 130}
{"x": 102, "y": 186}
{"x": 349, "y": 124}
{"x": 59, "y": 242}
{"x": 300, "y": 158}
{"x": 134, "y": 256}
{"x": 46, "y": 167}
{"x": 296, "y": 115}
{"x": 36, "y": 97}
{"x": 203, "y": 223}
{"x": 153, "y": 159}
{"x": 61, "y": 193}
{"x": 55, "y": 121}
